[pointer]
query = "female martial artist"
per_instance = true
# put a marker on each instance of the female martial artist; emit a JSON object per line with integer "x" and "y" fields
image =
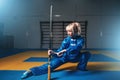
{"x": 69, "y": 51}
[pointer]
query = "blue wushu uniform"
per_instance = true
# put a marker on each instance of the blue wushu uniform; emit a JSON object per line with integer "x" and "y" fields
{"x": 72, "y": 54}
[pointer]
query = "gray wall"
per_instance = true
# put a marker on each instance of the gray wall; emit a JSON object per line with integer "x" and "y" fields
{"x": 21, "y": 19}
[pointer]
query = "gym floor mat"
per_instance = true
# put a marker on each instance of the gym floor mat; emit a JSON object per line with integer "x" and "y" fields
{"x": 64, "y": 75}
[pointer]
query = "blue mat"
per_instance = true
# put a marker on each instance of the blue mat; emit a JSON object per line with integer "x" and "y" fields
{"x": 64, "y": 75}
{"x": 9, "y": 52}
{"x": 94, "y": 58}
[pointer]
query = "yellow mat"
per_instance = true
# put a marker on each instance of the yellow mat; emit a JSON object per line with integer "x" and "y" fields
{"x": 16, "y": 62}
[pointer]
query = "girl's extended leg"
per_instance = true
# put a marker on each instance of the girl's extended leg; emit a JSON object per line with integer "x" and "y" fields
{"x": 43, "y": 69}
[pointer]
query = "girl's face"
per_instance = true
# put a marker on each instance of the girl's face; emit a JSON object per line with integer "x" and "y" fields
{"x": 73, "y": 30}
{"x": 69, "y": 32}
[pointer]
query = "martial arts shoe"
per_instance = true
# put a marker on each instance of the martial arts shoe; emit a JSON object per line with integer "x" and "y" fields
{"x": 82, "y": 69}
{"x": 26, "y": 74}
